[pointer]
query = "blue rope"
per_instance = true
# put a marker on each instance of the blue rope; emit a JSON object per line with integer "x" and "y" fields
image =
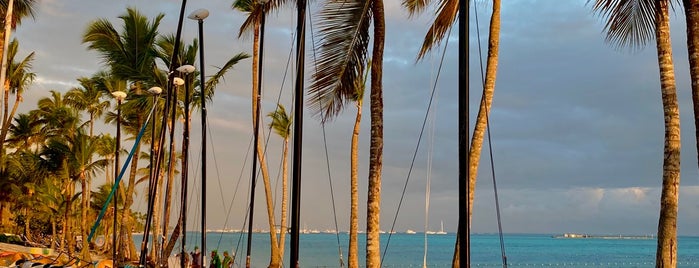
{"x": 118, "y": 180}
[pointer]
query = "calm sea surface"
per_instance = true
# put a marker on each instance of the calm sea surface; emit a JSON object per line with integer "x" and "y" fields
{"x": 407, "y": 250}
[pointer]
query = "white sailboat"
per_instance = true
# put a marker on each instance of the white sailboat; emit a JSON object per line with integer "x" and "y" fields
{"x": 441, "y": 231}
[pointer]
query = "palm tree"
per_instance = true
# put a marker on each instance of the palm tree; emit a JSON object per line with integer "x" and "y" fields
{"x": 130, "y": 55}
{"x": 344, "y": 33}
{"x": 88, "y": 97}
{"x": 19, "y": 78}
{"x": 634, "y": 23}
{"x": 358, "y": 97}
{"x": 82, "y": 168}
{"x": 12, "y": 13}
{"x": 257, "y": 13}
{"x": 281, "y": 124}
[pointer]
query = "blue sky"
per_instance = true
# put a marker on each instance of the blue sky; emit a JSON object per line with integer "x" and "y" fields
{"x": 576, "y": 123}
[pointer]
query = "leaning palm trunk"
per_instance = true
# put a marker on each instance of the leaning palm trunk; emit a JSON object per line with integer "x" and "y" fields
{"x": 373, "y": 258}
{"x": 483, "y": 112}
{"x": 666, "y": 255}
{"x": 276, "y": 258}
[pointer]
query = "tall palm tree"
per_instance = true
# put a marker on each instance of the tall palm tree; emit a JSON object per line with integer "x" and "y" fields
{"x": 257, "y": 13}
{"x": 130, "y": 55}
{"x": 19, "y": 77}
{"x": 358, "y": 98}
{"x": 89, "y": 98}
{"x": 633, "y": 23}
{"x": 12, "y": 13}
{"x": 82, "y": 149}
{"x": 344, "y": 30}
{"x": 281, "y": 124}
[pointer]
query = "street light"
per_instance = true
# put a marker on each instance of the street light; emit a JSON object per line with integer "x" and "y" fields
{"x": 155, "y": 91}
{"x": 186, "y": 70}
{"x": 199, "y": 15}
{"x": 119, "y": 96}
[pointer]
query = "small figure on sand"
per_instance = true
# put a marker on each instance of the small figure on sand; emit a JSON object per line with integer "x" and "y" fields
{"x": 215, "y": 260}
{"x": 227, "y": 260}
{"x": 196, "y": 258}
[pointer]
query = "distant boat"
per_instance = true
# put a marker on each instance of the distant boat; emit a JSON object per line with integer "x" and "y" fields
{"x": 441, "y": 231}
{"x": 409, "y": 231}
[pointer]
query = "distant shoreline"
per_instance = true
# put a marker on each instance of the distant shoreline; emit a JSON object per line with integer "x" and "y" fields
{"x": 582, "y": 236}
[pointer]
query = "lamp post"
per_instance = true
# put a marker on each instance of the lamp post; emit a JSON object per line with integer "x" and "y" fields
{"x": 186, "y": 69}
{"x": 199, "y": 15}
{"x": 256, "y": 134}
{"x": 119, "y": 96}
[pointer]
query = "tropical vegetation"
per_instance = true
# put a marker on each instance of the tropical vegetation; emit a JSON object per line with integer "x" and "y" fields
{"x": 51, "y": 154}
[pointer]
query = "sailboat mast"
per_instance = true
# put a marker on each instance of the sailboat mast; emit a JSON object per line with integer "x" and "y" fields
{"x": 298, "y": 128}
{"x": 464, "y": 223}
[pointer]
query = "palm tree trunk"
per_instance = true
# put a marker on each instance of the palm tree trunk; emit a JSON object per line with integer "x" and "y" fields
{"x": 373, "y": 258}
{"x": 83, "y": 221}
{"x": 168, "y": 190}
{"x": 275, "y": 258}
{"x": 3, "y": 69}
{"x": 157, "y": 204}
{"x": 353, "y": 255}
{"x": 285, "y": 198}
{"x": 691, "y": 13}
{"x": 666, "y": 255}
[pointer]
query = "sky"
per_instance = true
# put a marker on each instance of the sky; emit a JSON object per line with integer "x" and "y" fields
{"x": 576, "y": 124}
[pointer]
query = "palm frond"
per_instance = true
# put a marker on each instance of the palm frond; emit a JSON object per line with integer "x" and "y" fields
{"x": 213, "y": 80}
{"x": 343, "y": 45}
{"x": 629, "y": 23}
{"x": 415, "y": 6}
{"x": 444, "y": 20}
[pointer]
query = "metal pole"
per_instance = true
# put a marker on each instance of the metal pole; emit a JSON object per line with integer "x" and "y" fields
{"x": 185, "y": 171}
{"x": 116, "y": 174}
{"x": 203, "y": 140}
{"x": 464, "y": 173}
{"x": 256, "y": 138}
{"x": 298, "y": 128}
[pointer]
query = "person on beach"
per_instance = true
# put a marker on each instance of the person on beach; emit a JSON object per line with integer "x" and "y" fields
{"x": 196, "y": 258}
{"x": 227, "y": 260}
{"x": 215, "y": 260}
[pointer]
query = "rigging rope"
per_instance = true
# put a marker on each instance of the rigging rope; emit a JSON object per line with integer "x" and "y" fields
{"x": 490, "y": 144}
{"x": 417, "y": 147}
{"x": 327, "y": 157}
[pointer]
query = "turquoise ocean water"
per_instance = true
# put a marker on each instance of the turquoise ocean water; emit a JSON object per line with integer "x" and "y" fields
{"x": 407, "y": 250}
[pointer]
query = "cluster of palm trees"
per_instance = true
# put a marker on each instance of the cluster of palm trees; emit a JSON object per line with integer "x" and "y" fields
{"x": 46, "y": 152}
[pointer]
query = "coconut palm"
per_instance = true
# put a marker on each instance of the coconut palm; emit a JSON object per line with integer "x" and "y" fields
{"x": 344, "y": 45}
{"x": 19, "y": 77}
{"x": 82, "y": 149}
{"x": 130, "y": 55}
{"x": 633, "y": 23}
{"x": 257, "y": 12}
{"x": 281, "y": 124}
{"x": 89, "y": 98}
{"x": 12, "y": 13}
